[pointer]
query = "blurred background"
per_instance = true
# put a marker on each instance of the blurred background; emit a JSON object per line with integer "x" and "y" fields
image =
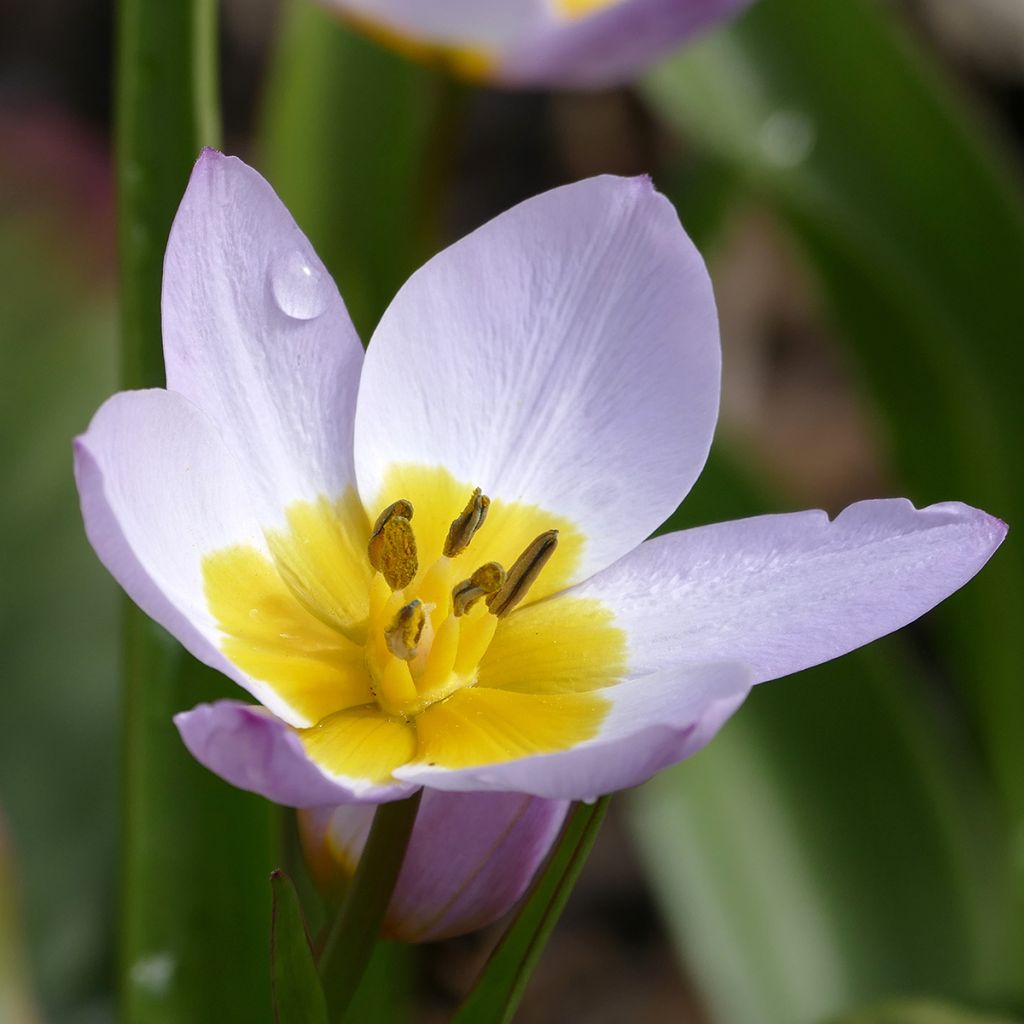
{"x": 854, "y": 839}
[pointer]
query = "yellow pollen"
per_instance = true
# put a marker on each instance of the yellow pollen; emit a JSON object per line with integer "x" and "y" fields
{"x": 387, "y": 647}
{"x": 525, "y": 570}
{"x": 437, "y": 631}
{"x": 463, "y": 527}
{"x": 489, "y": 578}
{"x": 392, "y": 546}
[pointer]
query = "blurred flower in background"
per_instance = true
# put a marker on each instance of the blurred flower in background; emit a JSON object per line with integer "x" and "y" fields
{"x": 535, "y": 43}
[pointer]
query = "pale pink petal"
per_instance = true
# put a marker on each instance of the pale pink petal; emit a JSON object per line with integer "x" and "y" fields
{"x": 253, "y": 750}
{"x": 256, "y": 335}
{"x": 651, "y": 723}
{"x": 564, "y": 355}
{"x": 783, "y": 592}
{"x": 470, "y": 859}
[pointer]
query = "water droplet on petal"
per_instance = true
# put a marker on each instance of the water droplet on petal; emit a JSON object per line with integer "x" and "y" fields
{"x": 301, "y": 290}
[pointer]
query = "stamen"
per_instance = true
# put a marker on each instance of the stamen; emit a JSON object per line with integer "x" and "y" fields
{"x": 525, "y": 569}
{"x": 401, "y": 508}
{"x": 403, "y": 635}
{"x": 392, "y": 545}
{"x": 488, "y": 579}
{"x": 465, "y": 526}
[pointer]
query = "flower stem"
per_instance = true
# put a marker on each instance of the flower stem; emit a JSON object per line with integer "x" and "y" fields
{"x": 194, "y": 854}
{"x": 351, "y": 940}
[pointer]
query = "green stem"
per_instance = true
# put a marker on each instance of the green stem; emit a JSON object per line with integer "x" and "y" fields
{"x": 194, "y": 854}
{"x": 205, "y": 76}
{"x": 351, "y": 940}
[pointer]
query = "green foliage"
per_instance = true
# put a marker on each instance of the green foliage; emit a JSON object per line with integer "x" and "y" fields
{"x": 298, "y": 997}
{"x": 348, "y": 132}
{"x": 196, "y": 853}
{"x": 917, "y": 235}
{"x": 921, "y": 1011}
{"x": 840, "y": 841}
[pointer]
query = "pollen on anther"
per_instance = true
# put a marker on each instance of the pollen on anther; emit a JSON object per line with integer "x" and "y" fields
{"x": 522, "y": 574}
{"x": 465, "y": 526}
{"x": 392, "y": 545}
{"x": 488, "y": 579}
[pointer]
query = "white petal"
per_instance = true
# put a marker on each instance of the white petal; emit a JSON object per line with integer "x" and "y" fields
{"x": 158, "y": 492}
{"x": 256, "y": 335}
{"x": 783, "y": 592}
{"x": 564, "y": 355}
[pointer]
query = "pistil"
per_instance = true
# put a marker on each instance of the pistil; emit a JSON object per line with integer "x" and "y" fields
{"x": 403, "y": 635}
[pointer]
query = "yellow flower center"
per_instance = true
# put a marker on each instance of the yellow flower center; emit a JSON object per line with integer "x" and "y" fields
{"x": 420, "y": 638}
{"x": 428, "y": 631}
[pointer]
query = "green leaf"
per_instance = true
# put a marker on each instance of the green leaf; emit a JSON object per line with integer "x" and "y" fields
{"x": 501, "y": 984}
{"x": 61, "y": 793}
{"x": 16, "y": 1002}
{"x": 350, "y": 133}
{"x": 916, "y": 231}
{"x": 831, "y": 846}
{"x": 196, "y": 853}
{"x": 298, "y": 996}
{"x": 921, "y": 1011}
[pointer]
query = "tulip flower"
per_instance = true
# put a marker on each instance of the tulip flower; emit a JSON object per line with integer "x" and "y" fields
{"x": 576, "y": 43}
{"x": 428, "y": 564}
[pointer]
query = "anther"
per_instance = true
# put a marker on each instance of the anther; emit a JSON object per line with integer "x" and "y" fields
{"x": 392, "y": 545}
{"x": 524, "y": 571}
{"x": 488, "y": 579}
{"x": 465, "y": 526}
{"x": 401, "y": 508}
{"x": 403, "y": 635}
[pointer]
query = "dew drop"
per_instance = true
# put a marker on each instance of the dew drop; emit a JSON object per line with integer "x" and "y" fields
{"x": 300, "y": 289}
